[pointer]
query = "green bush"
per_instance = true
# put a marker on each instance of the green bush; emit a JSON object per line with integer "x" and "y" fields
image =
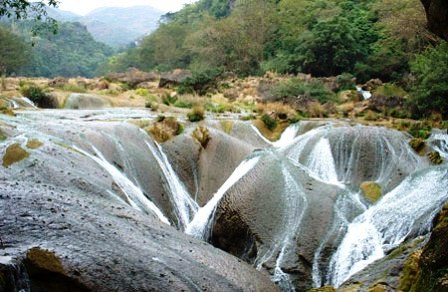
{"x": 168, "y": 99}
{"x": 294, "y": 87}
{"x": 430, "y": 91}
{"x": 38, "y": 95}
{"x": 196, "y": 114}
{"x": 346, "y": 81}
{"x": 200, "y": 82}
{"x": 142, "y": 92}
{"x": 78, "y": 88}
{"x": 269, "y": 122}
{"x": 420, "y": 130}
{"x": 183, "y": 104}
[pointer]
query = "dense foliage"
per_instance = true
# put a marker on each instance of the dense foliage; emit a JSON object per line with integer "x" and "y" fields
{"x": 14, "y": 52}
{"x": 431, "y": 86}
{"x": 369, "y": 38}
{"x": 70, "y": 52}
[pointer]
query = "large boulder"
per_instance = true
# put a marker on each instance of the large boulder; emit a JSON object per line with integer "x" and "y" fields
{"x": 132, "y": 77}
{"x": 86, "y": 101}
{"x": 437, "y": 16}
{"x": 174, "y": 77}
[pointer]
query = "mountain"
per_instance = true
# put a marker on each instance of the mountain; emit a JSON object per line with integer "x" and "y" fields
{"x": 62, "y": 15}
{"x": 115, "y": 26}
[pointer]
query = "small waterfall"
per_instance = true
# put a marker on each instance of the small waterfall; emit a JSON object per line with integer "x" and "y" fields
{"x": 365, "y": 93}
{"x": 134, "y": 196}
{"x": 408, "y": 209}
{"x": 287, "y": 136}
{"x": 284, "y": 243}
{"x": 28, "y": 102}
{"x": 321, "y": 162}
{"x": 201, "y": 224}
{"x": 185, "y": 206}
{"x": 347, "y": 206}
{"x": 13, "y": 104}
{"x": 439, "y": 142}
{"x": 285, "y": 139}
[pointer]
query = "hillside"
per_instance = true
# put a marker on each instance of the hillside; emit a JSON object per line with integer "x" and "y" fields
{"x": 114, "y": 26}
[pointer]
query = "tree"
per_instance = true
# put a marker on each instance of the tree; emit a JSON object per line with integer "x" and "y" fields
{"x": 23, "y": 9}
{"x": 13, "y": 52}
{"x": 430, "y": 92}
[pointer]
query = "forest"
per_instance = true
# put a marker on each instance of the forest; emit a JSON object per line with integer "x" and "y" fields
{"x": 366, "y": 39}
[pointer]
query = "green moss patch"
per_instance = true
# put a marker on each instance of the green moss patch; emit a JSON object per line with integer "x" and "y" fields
{"x": 3, "y": 136}
{"x": 14, "y": 153}
{"x": 34, "y": 144}
{"x": 371, "y": 191}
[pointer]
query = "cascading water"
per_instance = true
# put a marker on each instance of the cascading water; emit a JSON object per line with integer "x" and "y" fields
{"x": 285, "y": 139}
{"x": 295, "y": 205}
{"x": 134, "y": 196}
{"x": 406, "y": 210}
{"x": 439, "y": 142}
{"x": 185, "y": 206}
{"x": 201, "y": 223}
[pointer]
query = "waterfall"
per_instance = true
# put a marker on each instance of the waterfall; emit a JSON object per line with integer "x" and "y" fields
{"x": 295, "y": 205}
{"x": 347, "y": 205}
{"x": 184, "y": 205}
{"x": 201, "y": 224}
{"x": 134, "y": 196}
{"x": 439, "y": 142}
{"x": 285, "y": 139}
{"x": 406, "y": 210}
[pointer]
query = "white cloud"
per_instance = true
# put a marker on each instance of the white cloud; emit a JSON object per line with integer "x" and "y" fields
{"x": 83, "y": 7}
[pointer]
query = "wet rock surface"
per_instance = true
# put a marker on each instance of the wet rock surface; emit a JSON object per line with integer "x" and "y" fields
{"x": 104, "y": 246}
{"x": 73, "y": 218}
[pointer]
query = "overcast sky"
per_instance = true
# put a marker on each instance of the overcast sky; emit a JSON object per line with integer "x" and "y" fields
{"x": 82, "y": 7}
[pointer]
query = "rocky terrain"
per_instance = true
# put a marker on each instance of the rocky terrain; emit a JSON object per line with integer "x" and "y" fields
{"x": 108, "y": 195}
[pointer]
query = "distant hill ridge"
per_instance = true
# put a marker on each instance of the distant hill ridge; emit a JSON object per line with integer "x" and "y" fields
{"x": 115, "y": 26}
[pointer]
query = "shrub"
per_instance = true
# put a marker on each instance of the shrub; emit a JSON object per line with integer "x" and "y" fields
{"x": 169, "y": 99}
{"x": 390, "y": 90}
{"x": 38, "y": 95}
{"x": 430, "y": 90}
{"x": 269, "y": 122}
{"x": 202, "y": 135}
{"x": 294, "y": 87}
{"x": 142, "y": 92}
{"x": 420, "y": 130}
{"x": 165, "y": 128}
{"x": 346, "y": 81}
{"x": 183, "y": 104}
{"x": 78, "y": 88}
{"x": 200, "y": 82}
{"x": 196, "y": 114}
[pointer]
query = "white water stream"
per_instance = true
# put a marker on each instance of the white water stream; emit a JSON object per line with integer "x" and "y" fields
{"x": 134, "y": 196}
{"x": 184, "y": 205}
{"x": 407, "y": 209}
{"x": 201, "y": 224}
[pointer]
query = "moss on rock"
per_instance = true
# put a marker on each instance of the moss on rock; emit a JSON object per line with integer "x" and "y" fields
{"x": 418, "y": 144}
{"x": 45, "y": 260}
{"x": 14, "y": 153}
{"x": 34, "y": 144}
{"x": 371, "y": 191}
{"x": 410, "y": 271}
{"x": 435, "y": 157}
{"x": 3, "y": 136}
